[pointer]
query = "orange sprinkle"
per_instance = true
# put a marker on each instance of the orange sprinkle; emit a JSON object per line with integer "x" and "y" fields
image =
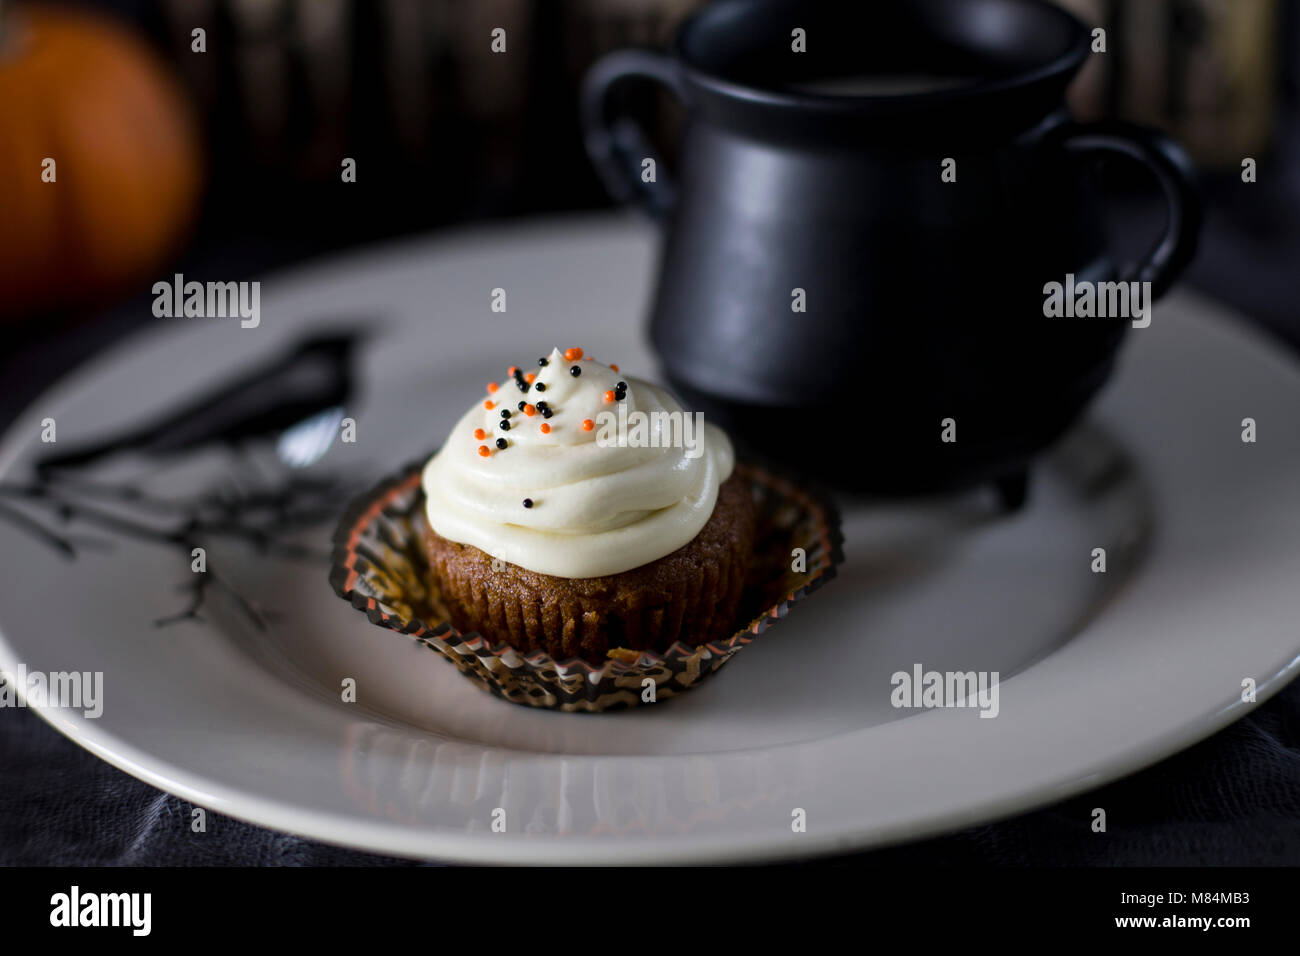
{"x": 480, "y": 434}
{"x": 546, "y": 429}
{"x": 614, "y": 368}
{"x": 588, "y": 424}
{"x": 609, "y": 396}
{"x": 484, "y": 450}
{"x": 586, "y": 358}
{"x": 492, "y": 387}
{"x": 573, "y": 354}
{"x": 530, "y": 411}
{"x": 529, "y": 377}
{"x": 489, "y": 405}
{"x": 512, "y": 369}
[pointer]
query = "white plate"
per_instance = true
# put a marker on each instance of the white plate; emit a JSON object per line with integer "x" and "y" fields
{"x": 1101, "y": 674}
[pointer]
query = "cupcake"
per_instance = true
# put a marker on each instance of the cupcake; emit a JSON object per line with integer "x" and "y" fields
{"x": 583, "y": 513}
{"x": 592, "y": 550}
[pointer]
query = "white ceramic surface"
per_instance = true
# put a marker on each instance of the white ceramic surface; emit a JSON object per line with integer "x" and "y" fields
{"x": 1100, "y": 674}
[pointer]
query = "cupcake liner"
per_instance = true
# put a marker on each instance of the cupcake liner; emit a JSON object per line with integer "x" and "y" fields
{"x": 379, "y": 566}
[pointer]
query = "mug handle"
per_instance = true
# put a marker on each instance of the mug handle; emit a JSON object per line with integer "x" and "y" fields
{"x": 617, "y": 145}
{"x": 1174, "y": 173}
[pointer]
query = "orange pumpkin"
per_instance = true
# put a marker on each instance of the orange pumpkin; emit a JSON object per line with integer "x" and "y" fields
{"x": 86, "y": 93}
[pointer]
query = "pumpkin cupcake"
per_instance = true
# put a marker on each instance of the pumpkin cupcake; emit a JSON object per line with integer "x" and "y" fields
{"x": 583, "y": 513}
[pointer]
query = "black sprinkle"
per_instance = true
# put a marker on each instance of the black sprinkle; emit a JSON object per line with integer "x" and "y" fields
{"x": 621, "y": 387}
{"x": 542, "y": 362}
{"x": 501, "y": 443}
{"x": 521, "y": 405}
{"x": 523, "y": 386}
{"x": 575, "y": 370}
{"x": 528, "y": 502}
{"x": 547, "y": 413}
{"x": 542, "y": 406}
{"x": 505, "y": 413}
{"x": 540, "y": 386}
{"x": 505, "y": 424}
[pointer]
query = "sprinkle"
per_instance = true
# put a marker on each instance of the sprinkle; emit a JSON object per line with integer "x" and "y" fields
{"x": 575, "y": 370}
{"x": 484, "y": 450}
{"x": 543, "y": 406}
{"x": 492, "y": 387}
{"x": 586, "y": 358}
{"x": 505, "y": 424}
{"x": 505, "y": 413}
{"x": 501, "y": 443}
{"x": 609, "y": 395}
{"x": 572, "y": 355}
{"x": 523, "y": 386}
{"x": 621, "y": 386}
{"x": 522, "y": 405}
{"x": 480, "y": 434}
{"x": 546, "y": 429}
{"x": 542, "y": 362}
{"x": 547, "y": 413}
{"x": 528, "y": 410}
{"x": 614, "y": 368}
{"x": 513, "y": 370}
{"x": 530, "y": 377}
{"x": 588, "y": 424}
{"x": 528, "y": 502}
{"x": 489, "y": 405}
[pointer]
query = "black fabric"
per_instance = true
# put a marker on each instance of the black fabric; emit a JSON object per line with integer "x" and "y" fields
{"x": 62, "y": 806}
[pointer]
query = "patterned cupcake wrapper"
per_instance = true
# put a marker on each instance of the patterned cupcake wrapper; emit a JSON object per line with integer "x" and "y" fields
{"x": 379, "y": 566}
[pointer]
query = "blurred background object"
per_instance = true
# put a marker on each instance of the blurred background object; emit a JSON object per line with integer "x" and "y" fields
{"x": 99, "y": 159}
{"x": 442, "y": 127}
{"x": 1207, "y": 71}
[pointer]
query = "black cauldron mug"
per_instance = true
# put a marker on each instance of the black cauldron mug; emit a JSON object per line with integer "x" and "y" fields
{"x": 868, "y": 201}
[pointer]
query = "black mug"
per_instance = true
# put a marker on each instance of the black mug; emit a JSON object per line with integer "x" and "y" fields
{"x": 869, "y": 201}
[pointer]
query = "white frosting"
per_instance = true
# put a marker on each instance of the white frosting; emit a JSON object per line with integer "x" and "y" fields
{"x": 604, "y": 500}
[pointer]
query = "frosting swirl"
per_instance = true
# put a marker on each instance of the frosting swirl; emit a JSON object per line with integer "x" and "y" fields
{"x": 611, "y": 480}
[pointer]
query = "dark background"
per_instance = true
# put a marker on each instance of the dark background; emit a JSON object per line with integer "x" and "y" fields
{"x": 401, "y": 85}
{"x": 443, "y": 137}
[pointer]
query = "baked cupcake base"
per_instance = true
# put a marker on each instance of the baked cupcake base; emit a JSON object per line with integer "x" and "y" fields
{"x": 690, "y": 595}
